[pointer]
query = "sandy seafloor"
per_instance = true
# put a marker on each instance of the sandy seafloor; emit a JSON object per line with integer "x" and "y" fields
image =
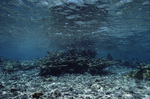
{"x": 29, "y": 85}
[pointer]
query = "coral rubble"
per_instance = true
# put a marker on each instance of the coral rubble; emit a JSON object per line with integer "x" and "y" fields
{"x": 8, "y": 65}
{"x": 143, "y": 72}
{"x": 72, "y": 61}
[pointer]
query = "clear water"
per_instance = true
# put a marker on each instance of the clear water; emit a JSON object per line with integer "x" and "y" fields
{"x": 28, "y": 28}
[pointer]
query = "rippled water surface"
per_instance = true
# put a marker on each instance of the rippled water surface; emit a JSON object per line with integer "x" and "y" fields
{"x": 28, "y": 28}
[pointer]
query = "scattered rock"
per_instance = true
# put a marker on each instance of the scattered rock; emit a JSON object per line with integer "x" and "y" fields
{"x": 77, "y": 91}
{"x": 48, "y": 79}
{"x": 127, "y": 96}
{"x": 1, "y": 85}
{"x": 95, "y": 87}
{"x": 56, "y": 93}
{"x": 25, "y": 96}
{"x": 37, "y": 95}
{"x": 13, "y": 89}
{"x": 88, "y": 97}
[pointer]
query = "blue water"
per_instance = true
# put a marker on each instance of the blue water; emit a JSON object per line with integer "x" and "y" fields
{"x": 29, "y": 28}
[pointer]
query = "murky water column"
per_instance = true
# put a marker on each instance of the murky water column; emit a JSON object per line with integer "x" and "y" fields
{"x": 120, "y": 27}
{"x": 21, "y": 32}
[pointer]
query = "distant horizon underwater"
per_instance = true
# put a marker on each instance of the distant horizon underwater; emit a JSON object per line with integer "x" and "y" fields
{"x": 29, "y": 29}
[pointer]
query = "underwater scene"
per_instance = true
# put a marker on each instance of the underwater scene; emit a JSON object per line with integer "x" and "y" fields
{"x": 74, "y": 49}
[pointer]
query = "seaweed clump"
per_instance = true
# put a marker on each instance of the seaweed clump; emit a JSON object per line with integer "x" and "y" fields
{"x": 72, "y": 61}
{"x": 143, "y": 72}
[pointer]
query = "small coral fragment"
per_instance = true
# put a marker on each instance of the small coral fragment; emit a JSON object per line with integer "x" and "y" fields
{"x": 142, "y": 73}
